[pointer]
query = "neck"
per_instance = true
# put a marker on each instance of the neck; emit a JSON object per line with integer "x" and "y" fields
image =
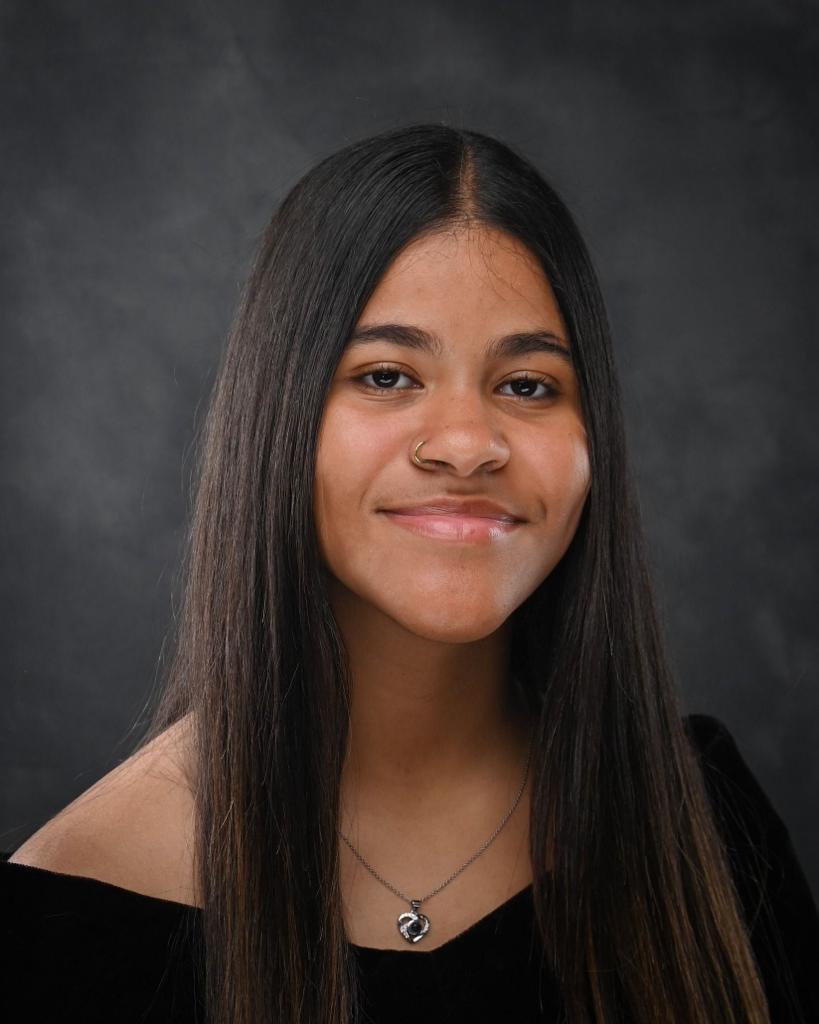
{"x": 427, "y": 719}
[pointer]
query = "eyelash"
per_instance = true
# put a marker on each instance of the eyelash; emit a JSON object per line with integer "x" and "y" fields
{"x": 529, "y": 378}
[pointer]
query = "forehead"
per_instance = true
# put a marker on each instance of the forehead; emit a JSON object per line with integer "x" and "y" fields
{"x": 469, "y": 271}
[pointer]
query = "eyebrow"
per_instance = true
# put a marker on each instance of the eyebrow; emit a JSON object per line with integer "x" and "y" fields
{"x": 521, "y": 343}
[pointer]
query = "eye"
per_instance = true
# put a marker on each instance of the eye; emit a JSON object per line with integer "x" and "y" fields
{"x": 530, "y": 381}
{"x": 382, "y": 375}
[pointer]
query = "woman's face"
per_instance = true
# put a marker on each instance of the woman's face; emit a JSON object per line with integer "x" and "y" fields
{"x": 448, "y": 378}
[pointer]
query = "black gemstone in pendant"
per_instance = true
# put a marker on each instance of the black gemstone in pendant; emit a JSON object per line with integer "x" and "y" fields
{"x": 412, "y": 924}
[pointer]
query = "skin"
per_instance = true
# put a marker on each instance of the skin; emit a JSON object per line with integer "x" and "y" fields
{"x": 426, "y": 622}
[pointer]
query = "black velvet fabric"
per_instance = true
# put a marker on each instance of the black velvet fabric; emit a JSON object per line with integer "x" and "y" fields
{"x": 78, "y": 949}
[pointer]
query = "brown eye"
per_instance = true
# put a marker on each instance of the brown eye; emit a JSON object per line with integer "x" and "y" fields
{"x": 529, "y": 385}
{"x": 382, "y": 376}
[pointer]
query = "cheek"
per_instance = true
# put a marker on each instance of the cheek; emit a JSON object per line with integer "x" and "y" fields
{"x": 565, "y": 480}
{"x": 578, "y": 470}
{"x": 349, "y": 457}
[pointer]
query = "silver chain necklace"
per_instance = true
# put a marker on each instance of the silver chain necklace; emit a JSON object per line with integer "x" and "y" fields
{"x": 412, "y": 924}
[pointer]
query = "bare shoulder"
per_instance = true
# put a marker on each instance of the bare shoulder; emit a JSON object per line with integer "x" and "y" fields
{"x": 132, "y": 828}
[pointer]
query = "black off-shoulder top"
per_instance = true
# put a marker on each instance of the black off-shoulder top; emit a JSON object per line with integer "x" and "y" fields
{"x": 79, "y": 949}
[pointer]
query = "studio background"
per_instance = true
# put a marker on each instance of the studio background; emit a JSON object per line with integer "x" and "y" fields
{"x": 145, "y": 147}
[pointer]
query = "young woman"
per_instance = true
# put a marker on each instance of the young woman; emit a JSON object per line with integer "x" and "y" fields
{"x": 420, "y": 756}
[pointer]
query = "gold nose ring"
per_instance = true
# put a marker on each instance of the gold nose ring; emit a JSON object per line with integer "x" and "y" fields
{"x": 415, "y": 459}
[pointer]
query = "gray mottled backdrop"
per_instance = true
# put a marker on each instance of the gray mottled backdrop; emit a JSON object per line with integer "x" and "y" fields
{"x": 144, "y": 148}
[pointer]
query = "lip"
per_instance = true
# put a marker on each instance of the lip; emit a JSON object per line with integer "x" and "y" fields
{"x": 454, "y": 528}
{"x": 464, "y": 508}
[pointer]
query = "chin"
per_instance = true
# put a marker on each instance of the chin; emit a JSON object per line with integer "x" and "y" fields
{"x": 460, "y": 627}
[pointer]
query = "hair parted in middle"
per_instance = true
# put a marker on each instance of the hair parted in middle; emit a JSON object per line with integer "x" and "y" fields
{"x": 639, "y": 914}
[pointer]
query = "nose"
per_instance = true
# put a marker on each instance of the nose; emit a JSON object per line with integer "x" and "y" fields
{"x": 462, "y": 446}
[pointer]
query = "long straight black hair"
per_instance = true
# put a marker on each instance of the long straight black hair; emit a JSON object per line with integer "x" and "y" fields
{"x": 639, "y": 915}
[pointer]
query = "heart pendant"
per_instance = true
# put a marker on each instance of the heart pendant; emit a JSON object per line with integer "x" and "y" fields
{"x": 412, "y": 924}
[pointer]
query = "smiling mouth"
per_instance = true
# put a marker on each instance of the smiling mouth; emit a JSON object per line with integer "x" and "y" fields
{"x": 448, "y": 526}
